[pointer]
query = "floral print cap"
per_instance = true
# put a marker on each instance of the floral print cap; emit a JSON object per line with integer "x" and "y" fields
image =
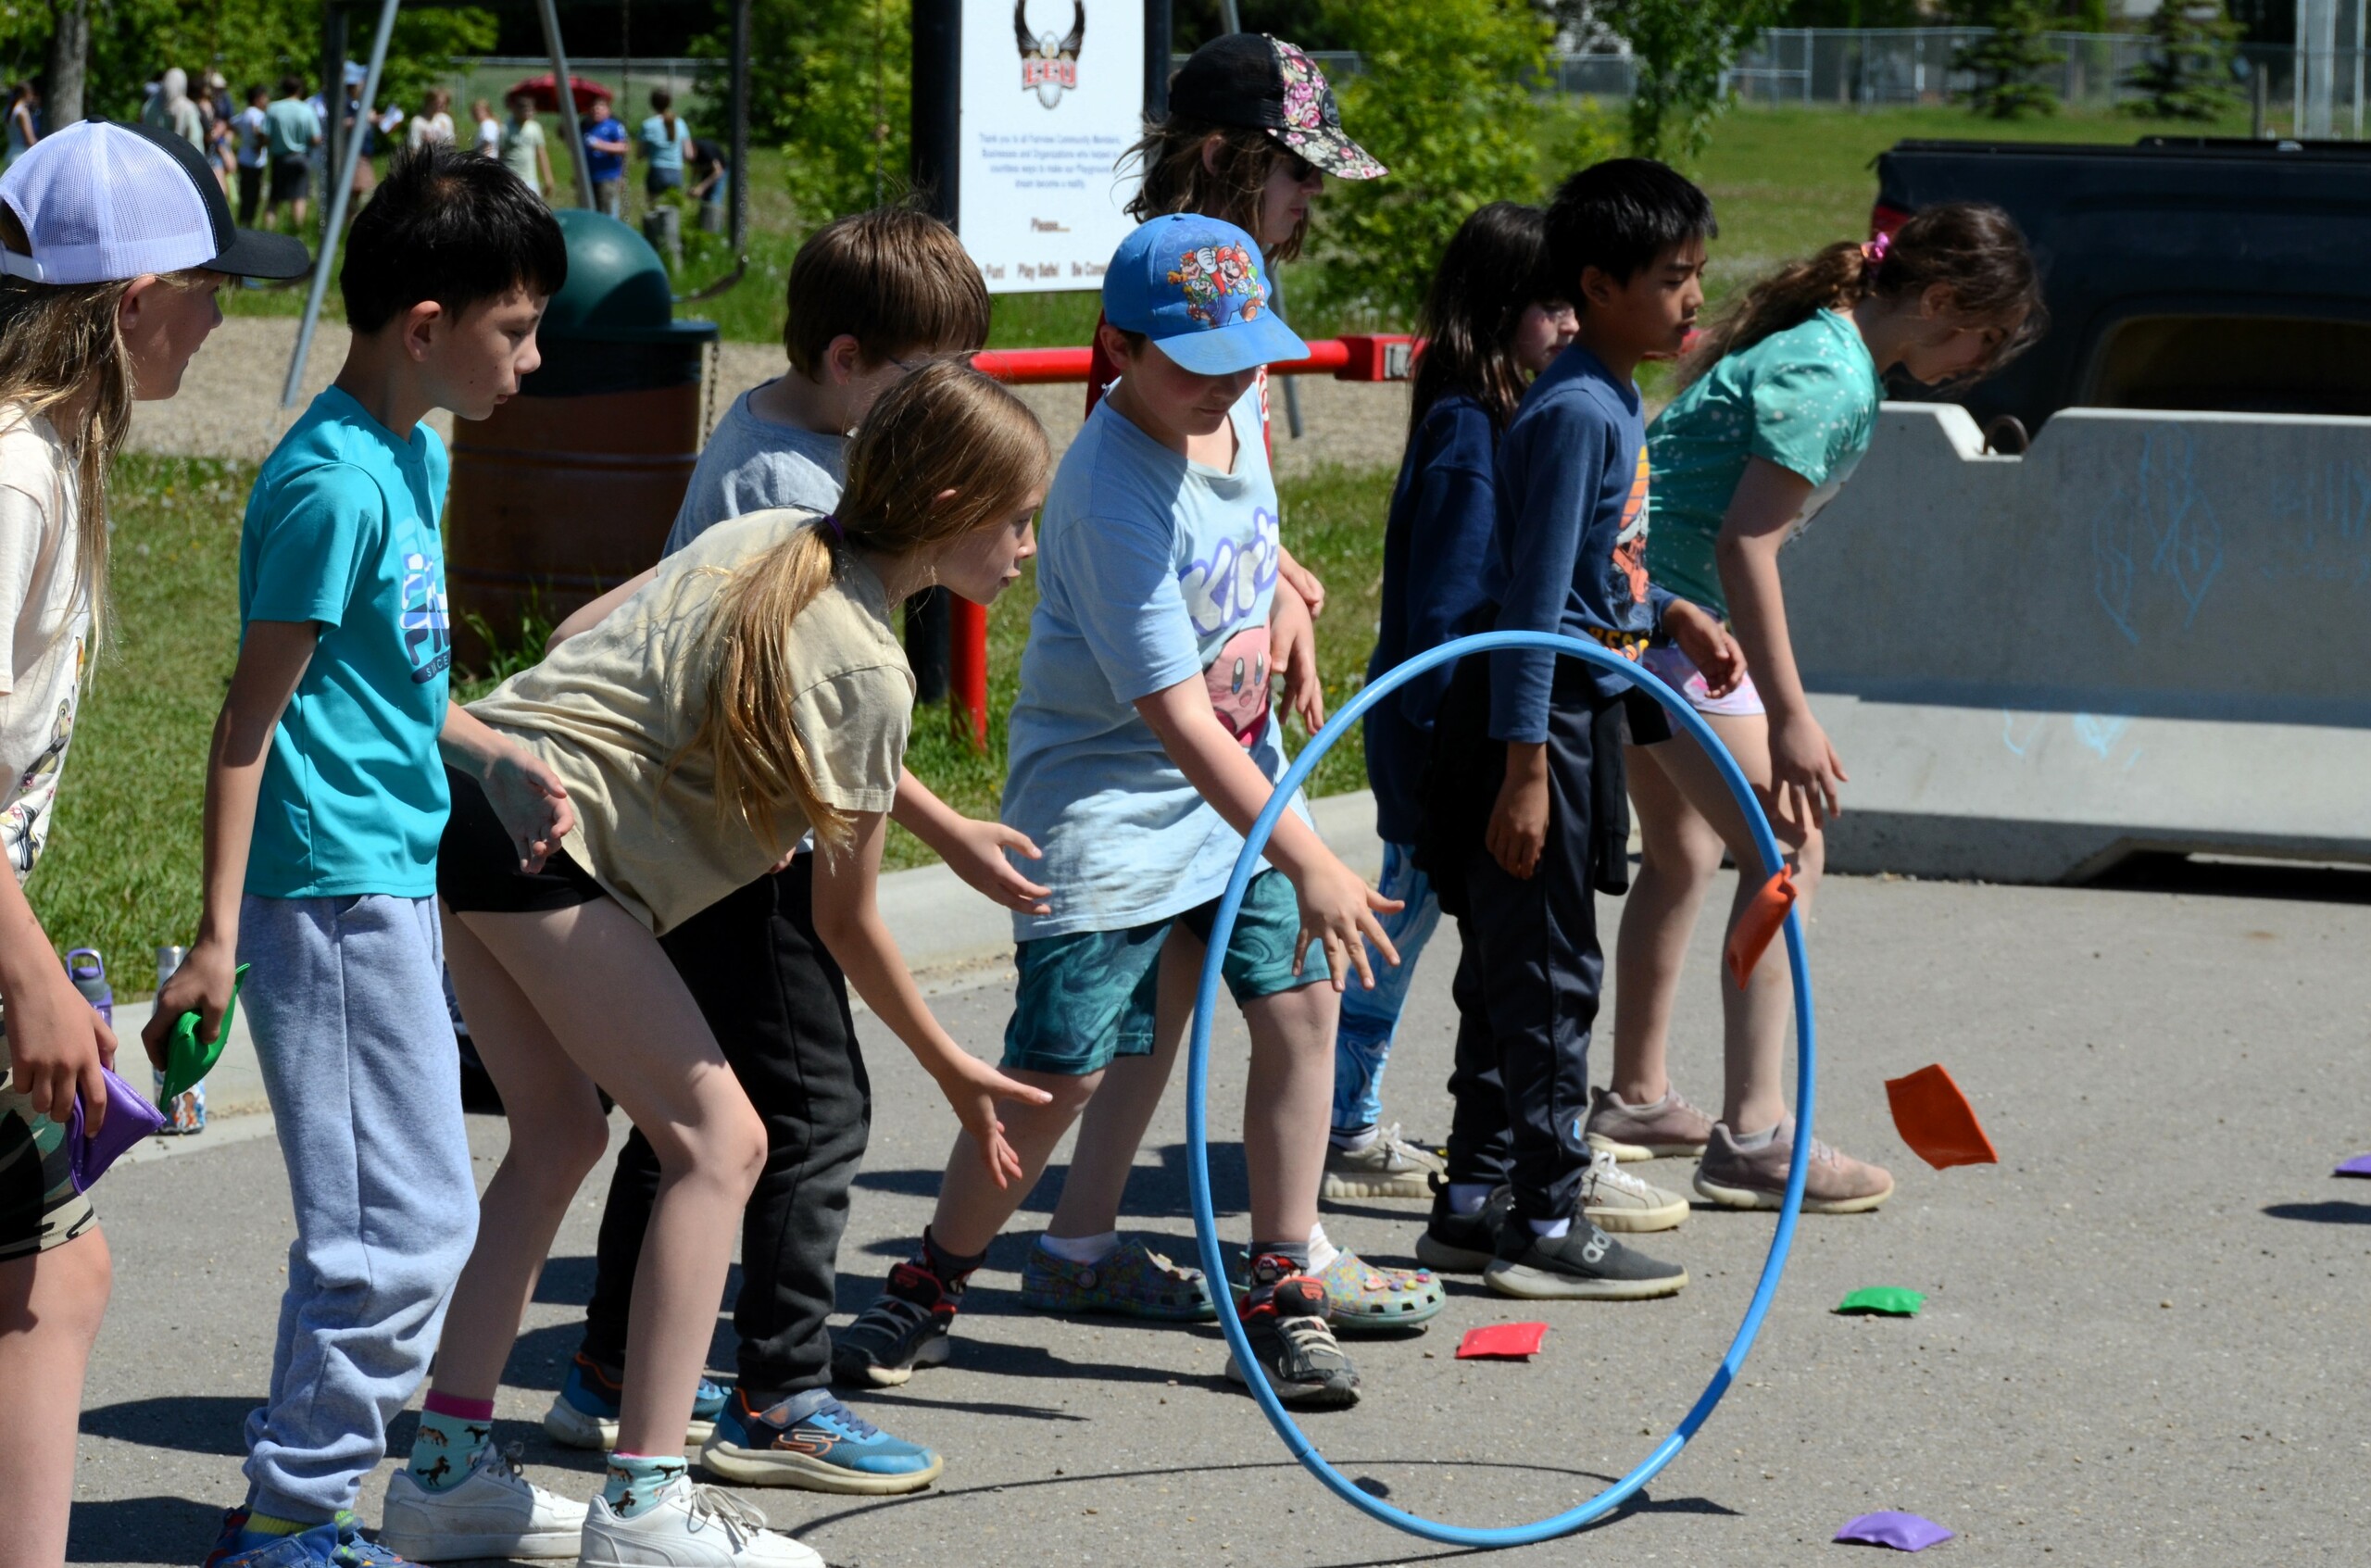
{"x": 1257, "y": 81}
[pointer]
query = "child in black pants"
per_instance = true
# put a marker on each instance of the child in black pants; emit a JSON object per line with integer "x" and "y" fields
{"x": 1519, "y": 788}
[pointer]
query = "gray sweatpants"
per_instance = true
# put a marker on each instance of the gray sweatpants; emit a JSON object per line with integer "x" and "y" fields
{"x": 346, "y": 1005}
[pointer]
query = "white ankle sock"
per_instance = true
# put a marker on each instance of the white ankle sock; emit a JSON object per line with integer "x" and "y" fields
{"x": 1322, "y": 1252}
{"x": 1549, "y": 1230}
{"x": 1350, "y": 1142}
{"x": 1755, "y": 1140}
{"x": 1081, "y": 1249}
{"x": 1467, "y": 1197}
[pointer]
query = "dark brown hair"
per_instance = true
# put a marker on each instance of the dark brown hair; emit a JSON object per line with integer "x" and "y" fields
{"x": 1971, "y": 250}
{"x": 1494, "y": 267}
{"x": 1229, "y": 186}
{"x": 895, "y": 279}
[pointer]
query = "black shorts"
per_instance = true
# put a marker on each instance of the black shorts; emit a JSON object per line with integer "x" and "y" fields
{"x": 477, "y": 866}
{"x": 290, "y": 177}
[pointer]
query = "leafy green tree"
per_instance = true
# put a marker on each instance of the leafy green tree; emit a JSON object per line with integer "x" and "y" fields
{"x": 1681, "y": 49}
{"x": 1446, "y": 100}
{"x": 2005, "y": 60}
{"x": 132, "y": 42}
{"x": 2188, "y": 74}
{"x": 830, "y": 85}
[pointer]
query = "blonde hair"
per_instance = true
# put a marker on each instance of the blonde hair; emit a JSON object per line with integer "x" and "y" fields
{"x": 944, "y": 427}
{"x": 57, "y": 341}
{"x": 1230, "y": 185}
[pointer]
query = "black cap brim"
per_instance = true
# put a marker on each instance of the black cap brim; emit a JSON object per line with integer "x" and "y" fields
{"x": 254, "y": 253}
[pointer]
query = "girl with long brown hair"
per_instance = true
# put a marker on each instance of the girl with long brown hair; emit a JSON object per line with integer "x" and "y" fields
{"x": 1779, "y": 401}
{"x": 702, "y": 719}
{"x": 86, "y": 329}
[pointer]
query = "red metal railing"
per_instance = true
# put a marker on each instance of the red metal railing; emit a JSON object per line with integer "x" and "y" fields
{"x": 1362, "y": 358}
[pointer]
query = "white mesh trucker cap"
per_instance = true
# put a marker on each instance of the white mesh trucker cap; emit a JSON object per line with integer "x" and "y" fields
{"x": 102, "y": 201}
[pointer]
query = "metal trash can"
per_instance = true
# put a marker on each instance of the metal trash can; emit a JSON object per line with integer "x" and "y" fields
{"x": 570, "y": 488}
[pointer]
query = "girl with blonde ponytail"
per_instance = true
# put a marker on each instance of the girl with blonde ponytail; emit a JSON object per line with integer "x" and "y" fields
{"x": 109, "y": 260}
{"x": 704, "y": 717}
{"x": 1778, "y": 403}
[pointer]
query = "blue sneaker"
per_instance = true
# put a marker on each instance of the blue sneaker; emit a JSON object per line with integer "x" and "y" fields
{"x": 238, "y": 1547}
{"x": 585, "y": 1411}
{"x": 814, "y": 1442}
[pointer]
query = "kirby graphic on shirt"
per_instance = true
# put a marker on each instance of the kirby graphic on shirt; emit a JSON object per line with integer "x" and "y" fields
{"x": 1238, "y": 683}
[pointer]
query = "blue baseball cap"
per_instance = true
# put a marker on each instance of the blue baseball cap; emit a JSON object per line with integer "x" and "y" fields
{"x": 1196, "y": 287}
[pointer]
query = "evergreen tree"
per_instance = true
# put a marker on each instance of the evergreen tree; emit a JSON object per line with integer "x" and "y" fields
{"x": 2005, "y": 60}
{"x": 2188, "y": 74}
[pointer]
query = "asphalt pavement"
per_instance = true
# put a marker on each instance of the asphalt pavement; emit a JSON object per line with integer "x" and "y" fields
{"x": 2140, "y": 1343}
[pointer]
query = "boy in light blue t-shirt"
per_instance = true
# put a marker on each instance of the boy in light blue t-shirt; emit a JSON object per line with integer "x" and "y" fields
{"x": 325, "y": 802}
{"x": 1143, "y": 745}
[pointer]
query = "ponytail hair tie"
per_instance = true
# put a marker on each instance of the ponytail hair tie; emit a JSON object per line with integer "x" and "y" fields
{"x": 832, "y": 519}
{"x": 1874, "y": 252}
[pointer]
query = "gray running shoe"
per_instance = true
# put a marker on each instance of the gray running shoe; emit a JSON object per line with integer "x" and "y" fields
{"x": 1584, "y": 1264}
{"x": 1756, "y": 1178}
{"x": 1389, "y": 1167}
{"x": 1632, "y": 1133}
{"x": 1616, "y": 1200}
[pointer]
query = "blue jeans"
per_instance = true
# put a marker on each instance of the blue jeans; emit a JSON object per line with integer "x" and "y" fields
{"x": 1371, "y": 1019}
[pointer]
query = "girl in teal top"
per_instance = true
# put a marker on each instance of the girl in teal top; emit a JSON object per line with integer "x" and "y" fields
{"x": 1778, "y": 403}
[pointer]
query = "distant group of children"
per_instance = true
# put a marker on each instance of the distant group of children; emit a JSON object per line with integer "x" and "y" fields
{"x": 650, "y": 861}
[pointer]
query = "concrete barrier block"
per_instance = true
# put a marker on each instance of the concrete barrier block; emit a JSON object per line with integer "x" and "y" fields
{"x": 2145, "y": 634}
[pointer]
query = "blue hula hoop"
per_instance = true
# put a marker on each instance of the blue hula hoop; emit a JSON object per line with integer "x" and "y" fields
{"x": 1198, "y": 1084}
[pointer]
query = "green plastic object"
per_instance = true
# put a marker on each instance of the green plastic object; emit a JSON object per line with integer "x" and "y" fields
{"x": 1886, "y": 1301}
{"x": 186, "y": 1060}
{"x": 617, "y": 289}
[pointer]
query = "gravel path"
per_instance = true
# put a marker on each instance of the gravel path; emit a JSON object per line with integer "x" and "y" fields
{"x": 229, "y": 405}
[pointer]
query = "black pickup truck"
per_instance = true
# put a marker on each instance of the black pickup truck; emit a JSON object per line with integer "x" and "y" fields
{"x": 2181, "y": 273}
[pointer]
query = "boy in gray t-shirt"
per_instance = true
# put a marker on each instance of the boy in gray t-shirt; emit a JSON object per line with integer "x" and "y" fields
{"x": 871, "y": 296}
{"x": 753, "y": 460}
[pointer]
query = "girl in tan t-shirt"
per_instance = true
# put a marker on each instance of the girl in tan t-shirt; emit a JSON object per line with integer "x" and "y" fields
{"x": 703, "y": 718}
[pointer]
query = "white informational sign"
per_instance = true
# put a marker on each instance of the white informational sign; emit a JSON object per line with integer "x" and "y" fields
{"x": 1053, "y": 95}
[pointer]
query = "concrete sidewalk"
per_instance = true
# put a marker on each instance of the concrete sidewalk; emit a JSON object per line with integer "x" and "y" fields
{"x": 2136, "y": 1348}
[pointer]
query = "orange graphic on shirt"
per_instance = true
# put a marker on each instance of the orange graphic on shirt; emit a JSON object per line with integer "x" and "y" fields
{"x": 1630, "y": 544}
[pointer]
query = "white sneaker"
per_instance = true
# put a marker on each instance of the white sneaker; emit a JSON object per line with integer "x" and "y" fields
{"x": 493, "y": 1512}
{"x": 1613, "y": 1200}
{"x": 689, "y": 1526}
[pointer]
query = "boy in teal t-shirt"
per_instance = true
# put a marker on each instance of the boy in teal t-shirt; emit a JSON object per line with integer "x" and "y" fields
{"x": 325, "y": 799}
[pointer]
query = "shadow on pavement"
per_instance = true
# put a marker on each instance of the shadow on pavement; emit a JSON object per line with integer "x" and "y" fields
{"x": 1153, "y": 1192}
{"x": 140, "y": 1529}
{"x": 2331, "y": 1211}
{"x": 190, "y": 1424}
{"x": 2216, "y": 876}
{"x": 1641, "y": 1504}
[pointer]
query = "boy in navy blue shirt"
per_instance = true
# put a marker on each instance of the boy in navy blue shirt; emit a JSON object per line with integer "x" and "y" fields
{"x": 1567, "y": 556}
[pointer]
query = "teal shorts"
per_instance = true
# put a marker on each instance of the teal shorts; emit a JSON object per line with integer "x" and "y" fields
{"x": 1088, "y": 996}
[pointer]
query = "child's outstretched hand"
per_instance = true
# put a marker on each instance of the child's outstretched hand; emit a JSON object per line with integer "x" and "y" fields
{"x": 1337, "y": 911}
{"x": 1292, "y": 652}
{"x": 532, "y": 802}
{"x": 1302, "y": 581}
{"x": 973, "y": 1088}
{"x": 203, "y": 984}
{"x": 977, "y": 855}
{"x": 57, "y": 1044}
{"x": 1708, "y": 645}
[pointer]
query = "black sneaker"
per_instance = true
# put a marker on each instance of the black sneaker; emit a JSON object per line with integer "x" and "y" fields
{"x": 1283, "y": 1315}
{"x": 1463, "y": 1244}
{"x": 907, "y": 1327}
{"x": 1584, "y": 1264}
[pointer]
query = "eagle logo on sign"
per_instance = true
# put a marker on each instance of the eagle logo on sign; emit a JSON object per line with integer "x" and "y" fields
{"x": 1049, "y": 65}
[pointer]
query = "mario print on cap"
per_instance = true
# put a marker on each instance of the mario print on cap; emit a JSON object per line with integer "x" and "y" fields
{"x": 1219, "y": 280}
